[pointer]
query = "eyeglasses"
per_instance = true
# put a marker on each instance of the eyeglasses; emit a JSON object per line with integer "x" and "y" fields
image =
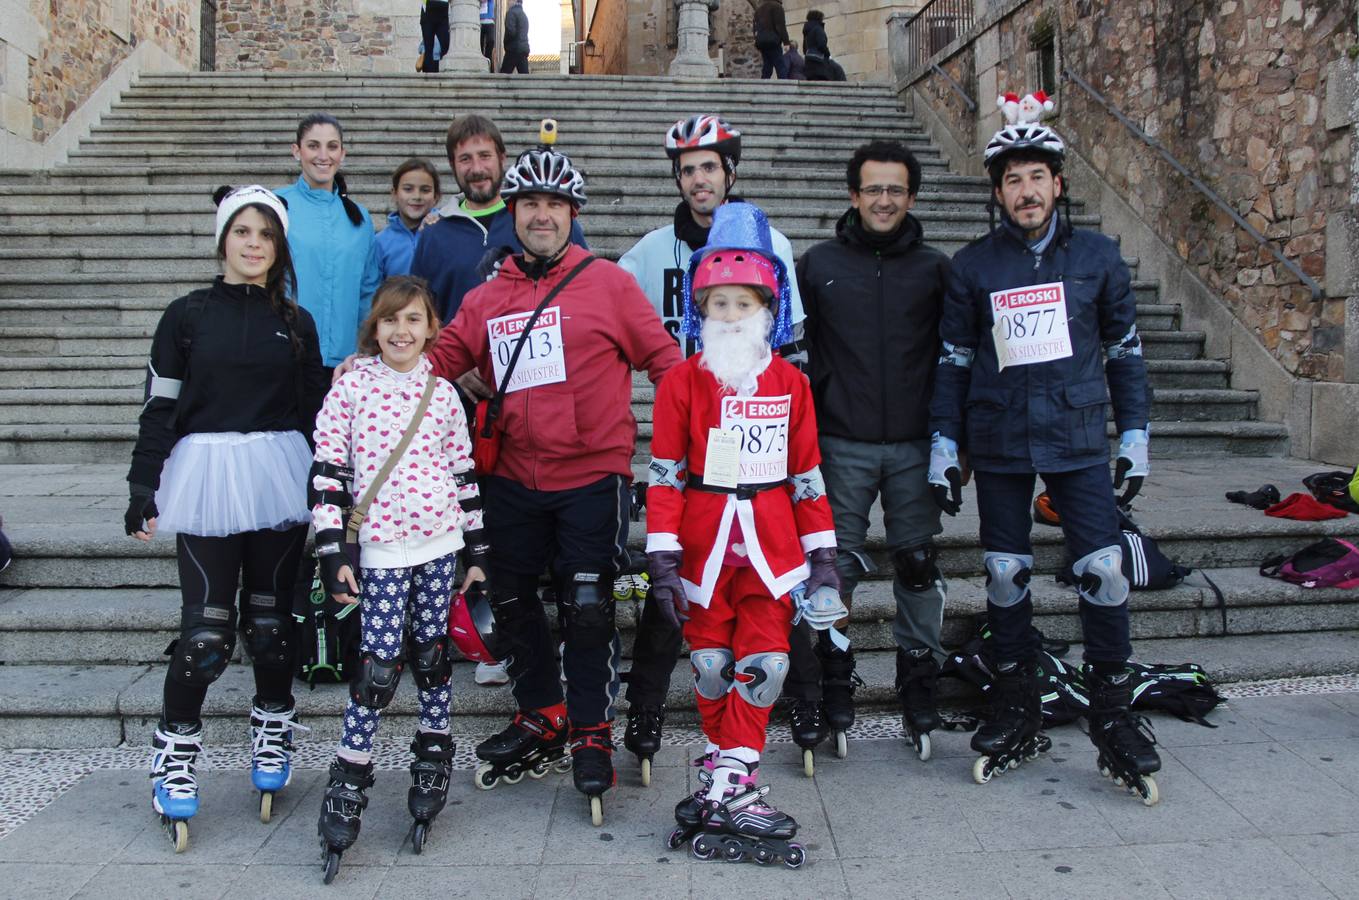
{"x": 895, "y": 191}
{"x": 707, "y": 168}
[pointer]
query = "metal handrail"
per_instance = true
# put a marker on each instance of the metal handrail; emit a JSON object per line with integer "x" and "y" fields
{"x": 945, "y": 20}
{"x": 1307, "y": 281}
{"x": 957, "y": 88}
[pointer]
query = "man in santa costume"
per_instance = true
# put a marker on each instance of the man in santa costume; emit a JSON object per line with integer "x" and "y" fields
{"x": 737, "y": 515}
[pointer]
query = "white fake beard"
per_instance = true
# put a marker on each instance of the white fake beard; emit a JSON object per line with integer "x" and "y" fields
{"x": 733, "y": 351}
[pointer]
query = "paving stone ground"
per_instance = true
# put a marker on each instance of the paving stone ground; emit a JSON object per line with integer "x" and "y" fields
{"x": 1264, "y": 805}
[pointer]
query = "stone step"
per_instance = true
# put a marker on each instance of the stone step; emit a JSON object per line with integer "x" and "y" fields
{"x": 86, "y": 706}
{"x": 120, "y": 626}
{"x": 71, "y": 372}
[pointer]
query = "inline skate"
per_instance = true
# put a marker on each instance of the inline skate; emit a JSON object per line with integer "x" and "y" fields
{"x": 1126, "y": 744}
{"x": 174, "y": 791}
{"x": 341, "y": 811}
{"x": 838, "y": 681}
{"x": 688, "y": 818}
{"x": 642, "y": 738}
{"x": 592, "y": 765}
{"x": 807, "y": 724}
{"x": 1011, "y": 733}
{"x": 533, "y": 744}
{"x": 430, "y": 772}
{"x": 917, "y": 684}
{"x": 271, "y": 747}
{"x": 741, "y": 825}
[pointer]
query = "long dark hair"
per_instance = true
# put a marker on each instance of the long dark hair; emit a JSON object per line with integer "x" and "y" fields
{"x": 280, "y": 283}
{"x": 310, "y": 121}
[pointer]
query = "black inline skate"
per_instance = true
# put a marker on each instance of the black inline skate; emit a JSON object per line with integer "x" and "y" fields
{"x": 533, "y": 744}
{"x": 592, "y": 765}
{"x": 1126, "y": 744}
{"x": 807, "y": 724}
{"x": 341, "y": 811}
{"x": 742, "y": 825}
{"x": 838, "y": 681}
{"x": 688, "y": 812}
{"x": 642, "y": 738}
{"x": 917, "y": 688}
{"x": 430, "y": 773}
{"x": 1011, "y": 732}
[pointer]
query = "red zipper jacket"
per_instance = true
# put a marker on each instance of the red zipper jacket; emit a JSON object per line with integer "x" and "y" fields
{"x": 572, "y": 432}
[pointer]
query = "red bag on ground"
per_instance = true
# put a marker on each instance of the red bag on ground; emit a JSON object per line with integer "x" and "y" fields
{"x": 1305, "y": 508}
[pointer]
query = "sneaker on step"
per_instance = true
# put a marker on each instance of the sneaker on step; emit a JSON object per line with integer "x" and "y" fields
{"x": 491, "y": 673}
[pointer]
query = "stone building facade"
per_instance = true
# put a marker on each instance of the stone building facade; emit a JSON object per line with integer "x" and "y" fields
{"x": 1241, "y": 93}
{"x": 322, "y": 36}
{"x": 56, "y": 58}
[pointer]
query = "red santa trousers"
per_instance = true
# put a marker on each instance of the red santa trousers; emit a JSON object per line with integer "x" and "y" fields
{"x": 744, "y": 619}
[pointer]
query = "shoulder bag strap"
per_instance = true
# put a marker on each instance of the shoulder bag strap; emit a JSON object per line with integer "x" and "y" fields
{"x": 493, "y": 408}
{"x": 360, "y": 510}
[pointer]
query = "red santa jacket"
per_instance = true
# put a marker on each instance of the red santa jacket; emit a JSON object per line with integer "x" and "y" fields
{"x": 778, "y": 429}
{"x": 568, "y": 414}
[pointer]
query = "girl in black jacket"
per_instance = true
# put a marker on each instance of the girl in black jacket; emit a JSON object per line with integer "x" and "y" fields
{"x": 816, "y": 51}
{"x": 234, "y": 382}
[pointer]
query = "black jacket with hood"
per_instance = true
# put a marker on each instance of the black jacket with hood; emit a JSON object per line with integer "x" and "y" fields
{"x": 872, "y": 331}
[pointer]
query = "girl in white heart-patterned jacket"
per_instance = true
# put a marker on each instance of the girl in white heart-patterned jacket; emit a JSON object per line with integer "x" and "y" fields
{"x": 421, "y": 515}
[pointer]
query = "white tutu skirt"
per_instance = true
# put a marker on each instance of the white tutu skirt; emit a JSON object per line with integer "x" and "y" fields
{"x": 214, "y": 485}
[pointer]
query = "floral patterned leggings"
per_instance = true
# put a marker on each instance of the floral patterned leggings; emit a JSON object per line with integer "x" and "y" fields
{"x": 425, "y": 590}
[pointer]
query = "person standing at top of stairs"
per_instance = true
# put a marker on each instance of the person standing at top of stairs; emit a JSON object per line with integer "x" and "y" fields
{"x": 1038, "y": 294}
{"x": 516, "y": 40}
{"x": 771, "y": 38}
{"x": 331, "y": 239}
{"x": 704, "y": 151}
{"x": 234, "y": 383}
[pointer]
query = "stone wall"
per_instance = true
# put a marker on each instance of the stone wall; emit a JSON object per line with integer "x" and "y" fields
{"x": 856, "y": 31}
{"x": 1234, "y": 90}
{"x": 609, "y": 34}
{"x": 54, "y": 57}
{"x": 315, "y": 36}
{"x": 650, "y": 38}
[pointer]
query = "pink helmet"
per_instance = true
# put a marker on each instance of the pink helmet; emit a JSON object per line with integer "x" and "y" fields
{"x": 744, "y": 267}
{"x": 471, "y": 626}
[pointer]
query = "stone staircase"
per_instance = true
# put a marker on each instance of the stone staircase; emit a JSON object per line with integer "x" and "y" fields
{"x": 91, "y": 252}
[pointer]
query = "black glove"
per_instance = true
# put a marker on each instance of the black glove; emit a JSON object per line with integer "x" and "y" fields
{"x": 823, "y": 572}
{"x": 331, "y": 558}
{"x": 945, "y": 477}
{"x": 666, "y": 590}
{"x": 140, "y": 509}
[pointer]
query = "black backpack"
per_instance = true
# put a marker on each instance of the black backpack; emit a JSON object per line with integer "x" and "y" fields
{"x": 1184, "y": 691}
{"x": 328, "y": 632}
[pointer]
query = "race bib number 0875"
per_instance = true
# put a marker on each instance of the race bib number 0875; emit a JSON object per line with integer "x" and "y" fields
{"x": 543, "y": 359}
{"x": 1030, "y": 325}
{"x": 762, "y": 423}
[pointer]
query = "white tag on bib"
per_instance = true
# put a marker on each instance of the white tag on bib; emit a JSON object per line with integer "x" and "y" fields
{"x": 722, "y": 463}
{"x": 763, "y": 426}
{"x": 543, "y": 359}
{"x": 1031, "y": 325}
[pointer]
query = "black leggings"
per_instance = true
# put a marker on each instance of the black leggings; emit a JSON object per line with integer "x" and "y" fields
{"x": 212, "y": 570}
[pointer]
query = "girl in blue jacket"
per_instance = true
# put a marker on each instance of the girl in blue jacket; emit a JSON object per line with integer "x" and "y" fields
{"x": 331, "y": 239}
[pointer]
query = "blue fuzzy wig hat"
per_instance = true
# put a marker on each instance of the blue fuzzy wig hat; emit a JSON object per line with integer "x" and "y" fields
{"x": 741, "y": 226}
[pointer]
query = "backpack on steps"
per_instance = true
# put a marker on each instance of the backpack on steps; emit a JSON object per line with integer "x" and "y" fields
{"x": 1330, "y": 562}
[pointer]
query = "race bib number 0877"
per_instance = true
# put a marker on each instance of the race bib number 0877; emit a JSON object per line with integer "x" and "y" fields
{"x": 543, "y": 359}
{"x": 762, "y": 423}
{"x": 1030, "y": 325}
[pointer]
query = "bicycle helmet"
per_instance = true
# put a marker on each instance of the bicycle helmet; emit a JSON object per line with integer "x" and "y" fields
{"x": 704, "y": 132}
{"x": 743, "y": 267}
{"x": 1029, "y": 137}
{"x": 544, "y": 172}
{"x": 471, "y": 626}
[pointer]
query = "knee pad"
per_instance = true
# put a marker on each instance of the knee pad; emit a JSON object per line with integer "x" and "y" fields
{"x": 374, "y": 685}
{"x": 267, "y": 623}
{"x": 1100, "y": 579}
{"x": 916, "y": 566}
{"x": 430, "y": 663}
{"x": 201, "y": 654}
{"x": 1007, "y": 577}
{"x": 759, "y": 677}
{"x": 588, "y": 606}
{"x": 712, "y": 672}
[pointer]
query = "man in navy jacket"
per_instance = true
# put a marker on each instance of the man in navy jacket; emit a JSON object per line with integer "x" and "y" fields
{"x": 1037, "y": 319}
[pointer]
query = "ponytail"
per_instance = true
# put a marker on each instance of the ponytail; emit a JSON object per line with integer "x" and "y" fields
{"x": 351, "y": 209}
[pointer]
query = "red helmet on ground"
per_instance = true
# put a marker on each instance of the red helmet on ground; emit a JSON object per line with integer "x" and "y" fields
{"x": 471, "y": 626}
{"x": 743, "y": 267}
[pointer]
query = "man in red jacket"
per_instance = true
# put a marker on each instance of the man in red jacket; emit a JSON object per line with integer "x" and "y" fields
{"x": 559, "y": 490}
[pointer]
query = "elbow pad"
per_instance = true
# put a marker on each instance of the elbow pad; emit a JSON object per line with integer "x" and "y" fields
{"x": 955, "y": 355}
{"x": 334, "y": 497}
{"x": 1128, "y": 345}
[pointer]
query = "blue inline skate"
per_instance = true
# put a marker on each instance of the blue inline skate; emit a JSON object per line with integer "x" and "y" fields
{"x": 174, "y": 795}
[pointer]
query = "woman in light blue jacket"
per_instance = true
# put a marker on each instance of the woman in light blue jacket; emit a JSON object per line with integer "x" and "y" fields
{"x": 331, "y": 240}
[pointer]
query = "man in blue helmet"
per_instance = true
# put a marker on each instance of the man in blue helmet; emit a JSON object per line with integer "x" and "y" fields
{"x": 1038, "y": 335}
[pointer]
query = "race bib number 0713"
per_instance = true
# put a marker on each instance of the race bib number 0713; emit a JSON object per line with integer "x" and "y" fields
{"x": 1030, "y": 325}
{"x": 762, "y": 423}
{"x": 543, "y": 359}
